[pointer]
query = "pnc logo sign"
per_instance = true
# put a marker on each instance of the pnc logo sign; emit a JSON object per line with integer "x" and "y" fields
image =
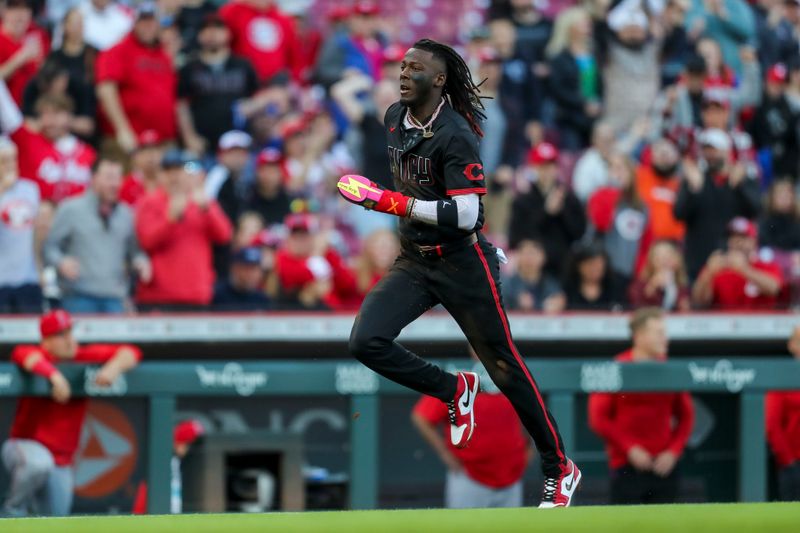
{"x": 107, "y": 451}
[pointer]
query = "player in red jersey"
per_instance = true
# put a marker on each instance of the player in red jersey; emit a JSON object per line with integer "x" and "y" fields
{"x": 46, "y": 431}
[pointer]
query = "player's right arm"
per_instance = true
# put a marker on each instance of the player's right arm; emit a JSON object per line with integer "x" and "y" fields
{"x": 31, "y": 359}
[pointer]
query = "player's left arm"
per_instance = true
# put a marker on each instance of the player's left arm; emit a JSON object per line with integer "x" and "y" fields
{"x": 116, "y": 360}
{"x": 464, "y": 180}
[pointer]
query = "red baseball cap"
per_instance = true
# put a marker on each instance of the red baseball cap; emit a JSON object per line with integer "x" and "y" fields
{"x": 269, "y": 156}
{"x": 542, "y": 153}
{"x": 777, "y": 73}
{"x": 717, "y": 96}
{"x": 366, "y": 7}
{"x": 488, "y": 54}
{"x": 149, "y": 138}
{"x": 54, "y": 322}
{"x": 338, "y": 13}
{"x": 742, "y": 226}
{"x": 188, "y": 431}
{"x": 394, "y": 53}
{"x": 298, "y": 222}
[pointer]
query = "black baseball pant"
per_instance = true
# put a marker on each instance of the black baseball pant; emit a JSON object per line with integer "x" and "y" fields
{"x": 466, "y": 282}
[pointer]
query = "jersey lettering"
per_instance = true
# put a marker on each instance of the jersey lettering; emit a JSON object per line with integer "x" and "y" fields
{"x": 412, "y": 169}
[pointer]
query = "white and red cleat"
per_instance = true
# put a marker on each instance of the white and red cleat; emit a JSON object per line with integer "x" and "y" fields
{"x": 461, "y": 409}
{"x": 558, "y": 491}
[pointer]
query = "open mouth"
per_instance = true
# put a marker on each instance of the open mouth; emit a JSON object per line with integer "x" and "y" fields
{"x": 404, "y": 89}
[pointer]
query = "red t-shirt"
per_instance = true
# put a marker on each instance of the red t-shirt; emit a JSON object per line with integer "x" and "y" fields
{"x": 294, "y": 273}
{"x": 497, "y": 453}
{"x": 783, "y": 425}
{"x": 19, "y": 79}
{"x": 180, "y": 251}
{"x": 60, "y": 169}
{"x": 133, "y": 189}
{"x": 656, "y": 421}
{"x": 57, "y": 426}
{"x": 732, "y": 291}
{"x": 147, "y": 85}
{"x": 266, "y": 37}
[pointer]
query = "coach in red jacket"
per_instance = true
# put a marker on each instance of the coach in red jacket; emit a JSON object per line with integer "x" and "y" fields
{"x": 783, "y": 432}
{"x": 177, "y": 224}
{"x": 645, "y": 433}
{"x": 46, "y": 431}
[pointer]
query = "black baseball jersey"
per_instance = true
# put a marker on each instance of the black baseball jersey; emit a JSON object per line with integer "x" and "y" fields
{"x": 436, "y": 168}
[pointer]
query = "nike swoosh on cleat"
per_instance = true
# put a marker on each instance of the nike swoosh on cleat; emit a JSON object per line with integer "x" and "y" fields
{"x": 465, "y": 403}
{"x": 568, "y": 486}
{"x": 456, "y": 433}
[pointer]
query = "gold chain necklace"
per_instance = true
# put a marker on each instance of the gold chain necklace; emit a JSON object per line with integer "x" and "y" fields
{"x": 427, "y": 129}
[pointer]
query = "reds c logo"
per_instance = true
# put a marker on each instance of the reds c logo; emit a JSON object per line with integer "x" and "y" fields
{"x": 471, "y": 170}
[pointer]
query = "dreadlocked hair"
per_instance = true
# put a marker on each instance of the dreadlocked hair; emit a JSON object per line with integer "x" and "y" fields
{"x": 460, "y": 89}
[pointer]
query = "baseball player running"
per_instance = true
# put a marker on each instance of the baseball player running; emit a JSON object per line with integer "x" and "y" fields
{"x": 432, "y": 135}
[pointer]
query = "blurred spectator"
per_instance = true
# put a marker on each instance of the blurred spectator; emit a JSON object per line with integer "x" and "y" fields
{"x": 224, "y": 182}
{"x": 106, "y": 23}
{"x": 71, "y": 53}
{"x": 716, "y": 114}
{"x": 780, "y": 226}
{"x": 646, "y": 432}
{"x": 549, "y": 211}
{"x": 657, "y": 183}
{"x": 211, "y": 86}
{"x": 311, "y": 275}
{"x": 495, "y": 126}
{"x": 93, "y": 245}
{"x": 522, "y": 98}
{"x": 364, "y": 103}
{"x": 145, "y": 166}
{"x": 315, "y": 158}
{"x": 714, "y": 191}
{"x": 589, "y": 284}
{"x": 251, "y": 231}
{"x": 136, "y": 84}
{"x": 381, "y": 248}
{"x": 489, "y": 472}
{"x": 591, "y": 170}
{"x": 679, "y": 109}
{"x": 739, "y": 278}
{"x": 268, "y": 197}
{"x": 774, "y": 128}
{"x": 22, "y": 47}
{"x": 309, "y": 36}
{"x": 663, "y": 281}
{"x": 618, "y": 214}
{"x": 783, "y": 431}
{"x": 359, "y": 47}
{"x": 58, "y": 162}
{"x": 730, "y": 23}
{"x": 676, "y": 48}
{"x": 177, "y": 225}
{"x": 575, "y": 78}
{"x": 631, "y": 73}
{"x": 190, "y": 19}
{"x": 242, "y": 290}
{"x": 777, "y": 42}
{"x": 46, "y": 431}
{"x": 53, "y": 80}
{"x": 19, "y": 205}
{"x": 533, "y": 31}
{"x": 263, "y": 34}
{"x": 528, "y": 287}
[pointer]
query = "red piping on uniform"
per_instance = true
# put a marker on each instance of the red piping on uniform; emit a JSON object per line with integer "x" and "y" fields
{"x": 500, "y": 312}
{"x": 476, "y": 190}
{"x": 439, "y": 249}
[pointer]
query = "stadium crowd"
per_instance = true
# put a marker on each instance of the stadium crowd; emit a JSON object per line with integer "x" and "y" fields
{"x": 181, "y": 155}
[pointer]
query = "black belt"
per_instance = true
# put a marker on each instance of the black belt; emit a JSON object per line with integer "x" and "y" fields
{"x": 439, "y": 250}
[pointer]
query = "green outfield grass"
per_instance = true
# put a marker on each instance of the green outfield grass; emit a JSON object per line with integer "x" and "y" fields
{"x": 771, "y": 517}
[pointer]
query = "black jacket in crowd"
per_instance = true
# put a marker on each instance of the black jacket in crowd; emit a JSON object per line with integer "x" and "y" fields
{"x": 708, "y": 212}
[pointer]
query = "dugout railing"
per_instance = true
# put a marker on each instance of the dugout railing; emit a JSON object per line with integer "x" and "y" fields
{"x": 161, "y": 383}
